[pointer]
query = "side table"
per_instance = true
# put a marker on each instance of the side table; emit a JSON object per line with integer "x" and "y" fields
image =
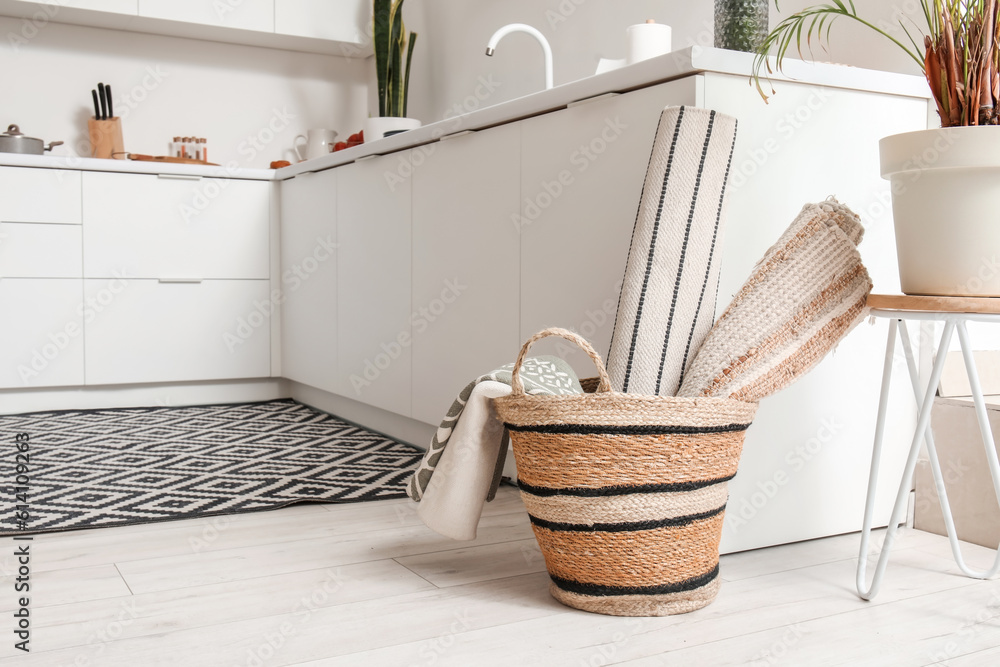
{"x": 954, "y": 313}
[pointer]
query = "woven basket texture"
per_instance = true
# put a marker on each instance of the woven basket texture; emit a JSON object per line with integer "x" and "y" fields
{"x": 626, "y": 493}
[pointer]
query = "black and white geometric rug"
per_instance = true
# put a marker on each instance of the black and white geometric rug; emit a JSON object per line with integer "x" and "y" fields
{"x": 97, "y": 468}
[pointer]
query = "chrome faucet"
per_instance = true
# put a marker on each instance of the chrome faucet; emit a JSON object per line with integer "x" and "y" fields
{"x": 521, "y": 27}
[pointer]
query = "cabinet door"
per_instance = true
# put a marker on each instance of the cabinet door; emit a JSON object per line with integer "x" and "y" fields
{"x": 41, "y": 340}
{"x": 40, "y": 251}
{"x": 465, "y": 264}
{"x": 39, "y": 195}
{"x": 373, "y": 285}
{"x": 145, "y": 226}
{"x": 309, "y": 279}
{"x": 338, "y": 20}
{"x": 148, "y": 331}
{"x": 113, "y": 6}
{"x": 582, "y": 171}
{"x": 244, "y": 14}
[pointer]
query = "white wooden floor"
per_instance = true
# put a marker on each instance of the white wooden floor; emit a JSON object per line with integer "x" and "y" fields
{"x": 367, "y": 584}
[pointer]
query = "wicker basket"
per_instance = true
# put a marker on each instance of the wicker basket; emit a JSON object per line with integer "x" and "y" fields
{"x": 626, "y": 493}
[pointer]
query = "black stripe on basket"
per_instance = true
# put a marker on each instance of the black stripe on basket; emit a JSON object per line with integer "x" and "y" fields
{"x": 599, "y": 590}
{"x": 640, "y": 429}
{"x": 627, "y": 527}
{"x": 620, "y": 490}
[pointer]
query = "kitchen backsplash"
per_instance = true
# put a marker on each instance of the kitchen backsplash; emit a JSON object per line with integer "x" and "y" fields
{"x": 249, "y": 102}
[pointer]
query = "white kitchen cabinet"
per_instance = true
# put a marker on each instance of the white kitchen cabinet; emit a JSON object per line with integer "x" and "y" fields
{"x": 309, "y": 279}
{"x": 330, "y": 27}
{"x": 29, "y": 250}
{"x": 255, "y": 15}
{"x": 39, "y": 195}
{"x": 582, "y": 171}
{"x": 42, "y": 333}
{"x": 815, "y": 438}
{"x": 151, "y": 331}
{"x": 466, "y": 250}
{"x": 145, "y": 226}
{"x": 112, "y": 6}
{"x": 339, "y": 20}
{"x": 374, "y": 341}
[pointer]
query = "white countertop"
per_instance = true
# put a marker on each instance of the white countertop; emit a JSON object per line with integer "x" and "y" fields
{"x": 676, "y": 65}
{"x": 679, "y": 64}
{"x": 133, "y": 167}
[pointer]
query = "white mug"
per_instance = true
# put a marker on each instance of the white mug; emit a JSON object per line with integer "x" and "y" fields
{"x": 317, "y": 143}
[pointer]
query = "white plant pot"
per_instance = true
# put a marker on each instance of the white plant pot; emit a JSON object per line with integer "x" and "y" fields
{"x": 375, "y": 128}
{"x": 946, "y": 206}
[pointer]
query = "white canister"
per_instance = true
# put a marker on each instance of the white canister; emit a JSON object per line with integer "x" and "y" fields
{"x": 647, "y": 40}
{"x": 317, "y": 143}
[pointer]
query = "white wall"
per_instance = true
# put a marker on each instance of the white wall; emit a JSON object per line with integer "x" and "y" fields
{"x": 854, "y": 44}
{"x": 450, "y": 58}
{"x": 226, "y": 93}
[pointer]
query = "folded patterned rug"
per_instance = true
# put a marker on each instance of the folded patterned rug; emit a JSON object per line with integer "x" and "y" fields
{"x": 462, "y": 467}
{"x": 803, "y": 297}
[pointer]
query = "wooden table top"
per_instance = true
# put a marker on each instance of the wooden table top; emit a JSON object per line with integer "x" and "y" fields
{"x": 935, "y": 304}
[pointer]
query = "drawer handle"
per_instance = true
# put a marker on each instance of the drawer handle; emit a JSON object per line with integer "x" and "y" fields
{"x": 190, "y": 281}
{"x": 456, "y": 135}
{"x": 179, "y": 177}
{"x": 588, "y": 100}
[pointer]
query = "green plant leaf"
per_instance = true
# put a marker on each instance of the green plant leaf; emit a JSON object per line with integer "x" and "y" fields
{"x": 397, "y": 45}
{"x": 391, "y": 44}
{"x": 406, "y": 80}
{"x": 380, "y": 38}
{"x": 790, "y": 30}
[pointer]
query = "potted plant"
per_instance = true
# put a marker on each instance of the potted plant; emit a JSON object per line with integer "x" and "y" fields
{"x": 945, "y": 182}
{"x": 393, "y": 57}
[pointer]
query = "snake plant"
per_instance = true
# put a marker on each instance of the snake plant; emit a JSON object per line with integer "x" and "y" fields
{"x": 392, "y": 45}
{"x": 959, "y": 53}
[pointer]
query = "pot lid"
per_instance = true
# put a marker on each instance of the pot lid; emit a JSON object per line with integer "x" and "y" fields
{"x": 14, "y": 131}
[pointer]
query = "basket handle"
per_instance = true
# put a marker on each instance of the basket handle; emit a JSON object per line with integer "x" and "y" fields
{"x": 517, "y": 385}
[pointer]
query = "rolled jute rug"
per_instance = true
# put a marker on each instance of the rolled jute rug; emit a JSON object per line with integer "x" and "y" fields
{"x": 667, "y": 302}
{"x": 803, "y": 297}
{"x": 626, "y": 493}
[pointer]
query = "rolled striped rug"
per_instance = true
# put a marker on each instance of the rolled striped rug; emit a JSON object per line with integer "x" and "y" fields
{"x": 807, "y": 293}
{"x": 667, "y": 302}
{"x": 626, "y": 493}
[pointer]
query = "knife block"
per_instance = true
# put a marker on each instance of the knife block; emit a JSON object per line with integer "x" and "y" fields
{"x": 106, "y": 138}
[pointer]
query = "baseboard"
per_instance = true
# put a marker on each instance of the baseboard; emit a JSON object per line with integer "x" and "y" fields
{"x": 396, "y": 426}
{"x": 14, "y": 401}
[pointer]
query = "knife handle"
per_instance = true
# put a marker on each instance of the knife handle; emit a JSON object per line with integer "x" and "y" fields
{"x": 104, "y": 102}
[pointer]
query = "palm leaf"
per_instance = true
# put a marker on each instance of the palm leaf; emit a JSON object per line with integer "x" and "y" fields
{"x": 790, "y": 31}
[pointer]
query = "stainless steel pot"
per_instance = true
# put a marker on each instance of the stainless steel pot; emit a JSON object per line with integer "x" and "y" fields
{"x": 12, "y": 141}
